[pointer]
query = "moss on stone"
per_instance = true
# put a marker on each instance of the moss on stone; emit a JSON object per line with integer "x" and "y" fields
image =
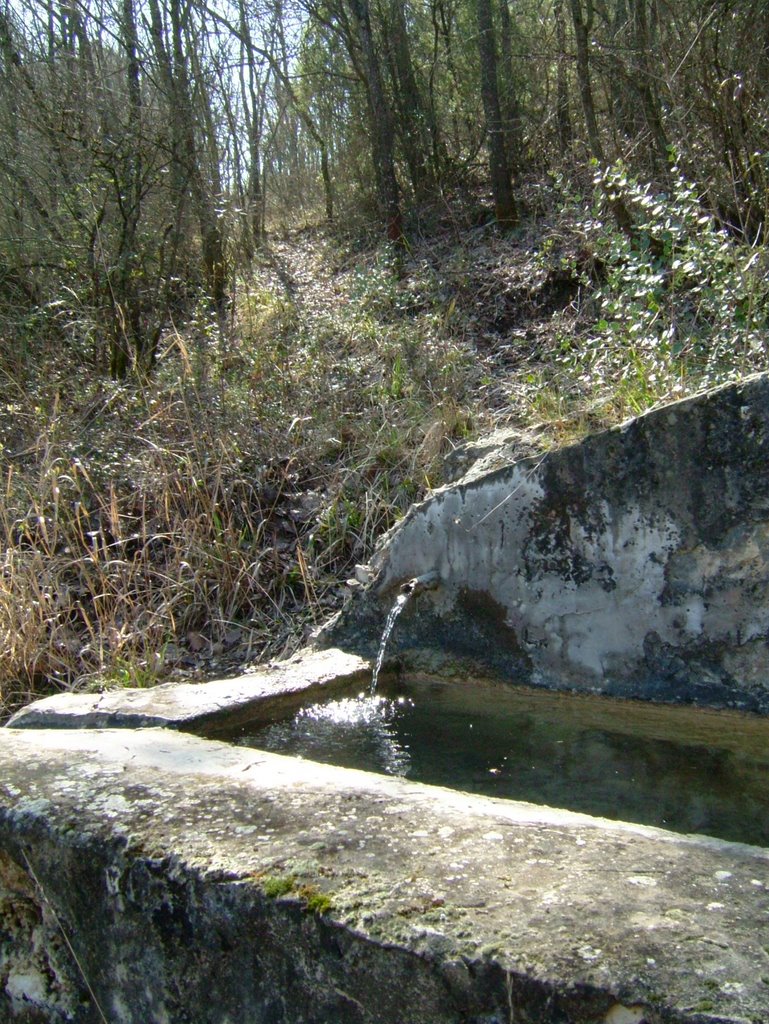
{"x": 278, "y": 885}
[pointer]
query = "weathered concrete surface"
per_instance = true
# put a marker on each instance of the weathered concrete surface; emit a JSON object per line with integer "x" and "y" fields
{"x": 274, "y": 691}
{"x": 634, "y": 563}
{"x": 154, "y": 853}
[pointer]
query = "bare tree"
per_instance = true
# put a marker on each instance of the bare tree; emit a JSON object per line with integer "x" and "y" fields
{"x": 563, "y": 116}
{"x": 381, "y": 123}
{"x": 583, "y": 24}
{"x": 413, "y": 124}
{"x": 499, "y": 172}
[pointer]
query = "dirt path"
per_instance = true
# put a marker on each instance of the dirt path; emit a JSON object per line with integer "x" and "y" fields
{"x": 503, "y": 304}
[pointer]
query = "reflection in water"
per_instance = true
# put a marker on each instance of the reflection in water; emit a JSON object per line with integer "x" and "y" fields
{"x": 680, "y": 768}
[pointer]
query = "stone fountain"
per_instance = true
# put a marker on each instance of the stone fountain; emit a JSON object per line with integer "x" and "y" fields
{"x": 149, "y": 872}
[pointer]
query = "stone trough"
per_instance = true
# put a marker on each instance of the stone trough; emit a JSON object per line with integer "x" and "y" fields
{"x": 151, "y": 875}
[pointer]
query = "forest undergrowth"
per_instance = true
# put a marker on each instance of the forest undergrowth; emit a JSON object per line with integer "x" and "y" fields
{"x": 206, "y": 518}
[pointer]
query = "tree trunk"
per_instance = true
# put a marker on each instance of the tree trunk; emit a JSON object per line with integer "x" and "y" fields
{"x": 649, "y": 101}
{"x": 442, "y": 30}
{"x": 211, "y": 238}
{"x": 412, "y": 116}
{"x": 501, "y": 187}
{"x": 186, "y": 171}
{"x": 563, "y": 117}
{"x": 129, "y": 329}
{"x": 508, "y": 100}
{"x": 625, "y": 101}
{"x": 380, "y": 119}
{"x": 582, "y": 28}
{"x": 178, "y": 179}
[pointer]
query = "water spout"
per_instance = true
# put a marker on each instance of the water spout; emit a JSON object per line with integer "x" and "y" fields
{"x": 428, "y": 581}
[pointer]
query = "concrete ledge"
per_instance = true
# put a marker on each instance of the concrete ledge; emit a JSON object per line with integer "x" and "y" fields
{"x": 201, "y": 882}
{"x": 282, "y": 686}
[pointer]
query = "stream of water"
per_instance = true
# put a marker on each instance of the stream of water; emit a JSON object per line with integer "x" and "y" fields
{"x": 400, "y": 603}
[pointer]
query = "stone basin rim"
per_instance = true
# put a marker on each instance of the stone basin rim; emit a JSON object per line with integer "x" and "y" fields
{"x": 273, "y": 692}
{"x": 89, "y": 787}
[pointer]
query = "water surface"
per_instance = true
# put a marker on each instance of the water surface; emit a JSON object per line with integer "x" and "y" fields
{"x": 685, "y": 769}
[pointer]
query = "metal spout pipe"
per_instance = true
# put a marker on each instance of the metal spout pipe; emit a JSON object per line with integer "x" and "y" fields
{"x": 428, "y": 581}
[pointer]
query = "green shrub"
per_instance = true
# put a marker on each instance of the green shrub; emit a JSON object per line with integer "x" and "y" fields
{"x": 682, "y": 304}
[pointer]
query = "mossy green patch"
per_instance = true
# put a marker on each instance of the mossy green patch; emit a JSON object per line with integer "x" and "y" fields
{"x": 278, "y": 885}
{"x": 316, "y": 902}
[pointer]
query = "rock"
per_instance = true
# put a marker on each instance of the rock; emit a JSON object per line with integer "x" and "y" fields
{"x": 503, "y": 448}
{"x": 221, "y": 704}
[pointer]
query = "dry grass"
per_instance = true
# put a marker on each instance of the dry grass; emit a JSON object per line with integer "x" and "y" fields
{"x": 112, "y": 582}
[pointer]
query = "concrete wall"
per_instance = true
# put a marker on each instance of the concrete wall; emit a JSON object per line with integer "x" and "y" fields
{"x": 634, "y": 563}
